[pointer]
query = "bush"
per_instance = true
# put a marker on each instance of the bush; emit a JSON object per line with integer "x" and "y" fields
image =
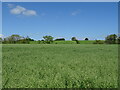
{"x": 98, "y": 42}
{"x": 118, "y": 40}
{"x": 77, "y": 42}
{"x": 111, "y": 39}
{"x": 48, "y": 39}
{"x": 60, "y": 39}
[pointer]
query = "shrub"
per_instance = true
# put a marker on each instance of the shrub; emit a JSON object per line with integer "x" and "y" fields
{"x": 98, "y": 42}
{"x": 111, "y": 39}
{"x": 48, "y": 39}
{"x": 118, "y": 40}
{"x": 60, "y": 39}
{"x": 77, "y": 42}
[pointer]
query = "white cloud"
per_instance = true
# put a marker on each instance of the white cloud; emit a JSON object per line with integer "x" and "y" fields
{"x": 23, "y": 11}
{"x": 75, "y": 13}
{"x": 17, "y": 10}
{"x": 29, "y": 13}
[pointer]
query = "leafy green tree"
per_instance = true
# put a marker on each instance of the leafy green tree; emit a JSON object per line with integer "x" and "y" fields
{"x": 118, "y": 40}
{"x": 111, "y": 39}
{"x": 73, "y": 39}
{"x": 27, "y": 40}
{"x": 15, "y": 38}
{"x": 12, "y": 39}
{"x": 4, "y": 41}
{"x": 86, "y": 39}
{"x": 0, "y": 40}
{"x": 48, "y": 39}
{"x": 24, "y": 40}
{"x": 42, "y": 41}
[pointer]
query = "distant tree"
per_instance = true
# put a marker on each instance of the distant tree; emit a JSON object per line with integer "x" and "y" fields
{"x": 48, "y": 39}
{"x": 22, "y": 41}
{"x": 42, "y": 40}
{"x": 73, "y": 39}
{"x": 60, "y": 39}
{"x": 15, "y": 37}
{"x": 86, "y": 39}
{"x": 0, "y": 40}
{"x": 111, "y": 39}
{"x": 12, "y": 39}
{"x": 4, "y": 41}
{"x": 118, "y": 40}
{"x": 27, "y": 39}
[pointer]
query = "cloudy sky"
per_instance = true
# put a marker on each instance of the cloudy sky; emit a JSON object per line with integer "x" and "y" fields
{"x": 89, "y": 19}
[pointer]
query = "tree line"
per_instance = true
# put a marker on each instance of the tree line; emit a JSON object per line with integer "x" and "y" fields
{"x": 17, "y": 39}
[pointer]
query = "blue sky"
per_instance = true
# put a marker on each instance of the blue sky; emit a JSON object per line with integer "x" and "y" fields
{"x": 60, "y": 19}
{"x": 0, "y": 18}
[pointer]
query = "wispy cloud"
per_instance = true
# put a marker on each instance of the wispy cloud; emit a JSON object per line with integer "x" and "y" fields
{"x": 74, "y": 13}
{"x": 19, "y": 10}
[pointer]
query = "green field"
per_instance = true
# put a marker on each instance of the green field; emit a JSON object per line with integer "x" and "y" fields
{"x": 59, "y": 66}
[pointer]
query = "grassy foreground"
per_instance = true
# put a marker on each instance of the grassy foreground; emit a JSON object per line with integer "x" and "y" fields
{"x": 60, "y": 66}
